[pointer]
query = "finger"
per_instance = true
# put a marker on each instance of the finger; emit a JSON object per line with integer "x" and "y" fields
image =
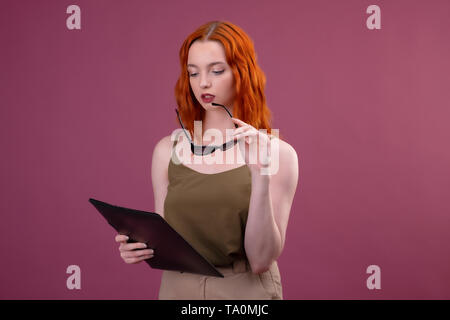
{"x": 238, "y": 122}
{"x": 145, "y": 252}
{"x": 240, "y": 130}
{"x": 245, "y": 134}
{"x": 141, "y": 253}
{"x": 136, "y": 253}
{"x": 121, "y": 238}
{"x": 146, "y": 257}
{"x": 137, "y": 260}
{"x": 132, "y": 246}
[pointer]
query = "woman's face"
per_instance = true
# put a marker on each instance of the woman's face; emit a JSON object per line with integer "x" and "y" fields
{"x": 207, "y": 76}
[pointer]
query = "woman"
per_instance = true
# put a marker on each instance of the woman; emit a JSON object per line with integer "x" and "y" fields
{"x": 232, "y": 203}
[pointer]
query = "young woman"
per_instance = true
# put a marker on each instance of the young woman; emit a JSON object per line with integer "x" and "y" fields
{"x": 231, "y": 203}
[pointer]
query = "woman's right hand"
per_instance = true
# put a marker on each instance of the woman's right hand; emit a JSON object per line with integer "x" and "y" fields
{"x": 133, "y": 252}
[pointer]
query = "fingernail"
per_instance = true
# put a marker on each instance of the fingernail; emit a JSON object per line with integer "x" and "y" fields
{"x": 127, "y": 238}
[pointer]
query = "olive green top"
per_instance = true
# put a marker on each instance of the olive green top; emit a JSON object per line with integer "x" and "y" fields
{"x": 209, "y": 210}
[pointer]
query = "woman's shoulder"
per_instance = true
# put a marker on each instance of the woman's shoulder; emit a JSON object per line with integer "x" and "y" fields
{"x": 285, "y": 166}
{"x": 163, "y": 144}
{"x": 285, "y": 149}
{"x": 162, "y": 150}
{"x": 169, "y": 140}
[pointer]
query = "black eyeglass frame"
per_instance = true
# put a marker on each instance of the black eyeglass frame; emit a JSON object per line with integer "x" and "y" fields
{"x": 205, "y": 150}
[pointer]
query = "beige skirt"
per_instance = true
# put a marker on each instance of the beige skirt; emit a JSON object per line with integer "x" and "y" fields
{"x": 239, "y": 283}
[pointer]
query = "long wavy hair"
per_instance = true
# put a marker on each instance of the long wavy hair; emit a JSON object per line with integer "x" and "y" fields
{"x": 250, "y": 101}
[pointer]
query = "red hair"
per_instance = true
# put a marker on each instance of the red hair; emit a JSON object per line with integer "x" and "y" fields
{"x": 250, "y": 102}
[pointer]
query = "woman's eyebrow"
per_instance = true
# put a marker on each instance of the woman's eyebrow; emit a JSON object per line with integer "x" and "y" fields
{"x": 211, "y": 64}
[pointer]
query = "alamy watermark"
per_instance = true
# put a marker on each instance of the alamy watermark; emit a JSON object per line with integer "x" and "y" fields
{"x": 259, "y": 149}
{"x": 74, "y": 280}
{"x": 374, "y": 280}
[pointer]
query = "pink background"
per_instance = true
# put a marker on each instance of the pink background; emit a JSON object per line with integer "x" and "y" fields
{"x": 366, "y": 110}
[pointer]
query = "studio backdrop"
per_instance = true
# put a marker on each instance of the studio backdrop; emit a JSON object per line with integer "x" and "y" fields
{"x": 360, "y": 89}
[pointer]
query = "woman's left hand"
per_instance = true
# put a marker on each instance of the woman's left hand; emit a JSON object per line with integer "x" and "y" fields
{"x": 255, "y": 146}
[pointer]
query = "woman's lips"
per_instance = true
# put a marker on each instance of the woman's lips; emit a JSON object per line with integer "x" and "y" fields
{"x": 208, "y": 98}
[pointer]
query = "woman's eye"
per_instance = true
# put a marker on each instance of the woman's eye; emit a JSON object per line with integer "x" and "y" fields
{"x": 216, "y": 72}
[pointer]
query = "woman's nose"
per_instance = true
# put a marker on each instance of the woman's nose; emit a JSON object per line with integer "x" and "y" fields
{"x": 204, "y": 82}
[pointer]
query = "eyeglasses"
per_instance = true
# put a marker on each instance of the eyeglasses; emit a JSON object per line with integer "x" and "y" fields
{"x": 205, "y": 150}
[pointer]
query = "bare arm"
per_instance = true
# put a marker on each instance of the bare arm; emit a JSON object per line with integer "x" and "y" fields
{"x": 159, "y": 173}
{"x": 270, "y": 204}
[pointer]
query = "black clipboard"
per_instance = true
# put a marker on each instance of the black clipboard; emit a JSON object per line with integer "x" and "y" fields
{"x": 172, "y": 251}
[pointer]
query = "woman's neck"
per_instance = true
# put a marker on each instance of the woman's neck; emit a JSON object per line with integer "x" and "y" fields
{"x": 215, "y": 121}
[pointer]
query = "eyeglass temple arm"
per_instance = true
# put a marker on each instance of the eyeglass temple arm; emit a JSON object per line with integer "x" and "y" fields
{"x": 226, "y": 109}
{"x": 181, "y": 123}
{"x": 216, "y": 104}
